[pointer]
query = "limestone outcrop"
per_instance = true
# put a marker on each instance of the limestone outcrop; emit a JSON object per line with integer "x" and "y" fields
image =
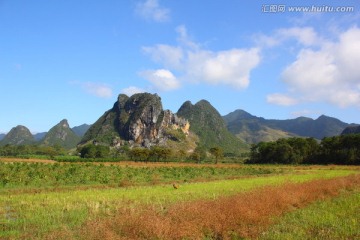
{"x": 136, "y": 120}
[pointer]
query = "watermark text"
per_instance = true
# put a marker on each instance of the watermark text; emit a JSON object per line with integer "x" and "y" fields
{"x": 281, "y": 8}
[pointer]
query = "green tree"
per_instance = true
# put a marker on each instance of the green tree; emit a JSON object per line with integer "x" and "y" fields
{"x": 139, "y": 154}
{"x": 94, "y": 151}
{"x": 217, "y": 152}
{"x": 199, "y": 154}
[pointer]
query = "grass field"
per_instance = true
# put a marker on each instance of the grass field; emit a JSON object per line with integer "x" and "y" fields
{"x": 337, "y": 218}
{"x": 50, "y": 206}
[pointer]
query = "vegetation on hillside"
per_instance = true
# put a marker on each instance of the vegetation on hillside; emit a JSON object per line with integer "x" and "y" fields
{"x": 209, "y": 126}
{"x": 257, "y": 129}
{"x": 61, "y": 134}
{"x": 351, "y": 130}
{"x": 27, "y": 151}
{"x": 19, "y": 135}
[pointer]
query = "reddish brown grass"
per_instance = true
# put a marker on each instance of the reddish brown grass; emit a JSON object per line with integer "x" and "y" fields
{"x": 30, "y": 160}
{"x": 242, "y": 215}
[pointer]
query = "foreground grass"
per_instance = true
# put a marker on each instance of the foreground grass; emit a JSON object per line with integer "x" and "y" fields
{"x": 244, "y": 215}
{"x": 31, "y": 215}
{"x": 338, "y": 218}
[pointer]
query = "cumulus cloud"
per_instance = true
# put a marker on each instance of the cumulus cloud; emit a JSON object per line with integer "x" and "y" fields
{"x": 162, "y": 79}
{"x": 151, "y": 10}
{"x": 306, "y": 36}
{"x": 132, "y": 90}
{"x": 325, "y": 70}
{"x": 329, "y": 74}
{"x": 230, "y": 67}
{"x": 281, "y": 99}
{"x": 170, "y": 56}
{"x": 97, "y": 89}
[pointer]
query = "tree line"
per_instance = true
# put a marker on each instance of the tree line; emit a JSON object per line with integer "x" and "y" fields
{"x": 28, "y": 150}
{"x": 344, "y": 149}
{"x": 98, "y": 152}
{"x": 153, "y": 154}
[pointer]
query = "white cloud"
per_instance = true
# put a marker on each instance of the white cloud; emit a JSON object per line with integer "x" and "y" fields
{"x": 151, "y": 10}
{"x": 96, "y": 89}
{"x": 330, "y": 74}
{"x": 281, "y": 99}
{"x": 230, "y": 67}
{"x": 162, "y": 79}
{"x": 168, "y": 55}
{"x": 311, "y": 70}
{"x": 132, "y": 90}
{"x": 348, "y": 54}
{"x": 306, "y": 36}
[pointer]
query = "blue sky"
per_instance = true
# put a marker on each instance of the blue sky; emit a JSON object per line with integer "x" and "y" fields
{"x": 71, "y": 58}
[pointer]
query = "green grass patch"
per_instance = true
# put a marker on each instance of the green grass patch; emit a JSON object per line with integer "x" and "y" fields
{"x": 337, "y": 218}
{"x": 35, "y": 214}
{"x": 40, "y": 175}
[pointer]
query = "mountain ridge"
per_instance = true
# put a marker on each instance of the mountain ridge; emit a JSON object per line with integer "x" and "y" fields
{"x": 19, "y": 135}
{"x": 61, "y": 134}
{"x": 208, "y": 124}
{"x": 141, "y": 120}
{"x": 352, "y": 129}
{"x": 240, "y": 123}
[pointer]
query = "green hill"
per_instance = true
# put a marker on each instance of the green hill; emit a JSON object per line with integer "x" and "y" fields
{"x": 319, "y": 128}
{"x": 209, "y": 126}
{"x": 254, "y": 129}
{"x": 62, "y": 135}
{"x": 354, "y": 129}
{"x": 19, "y": 135}
{"x": 81, "y": 130}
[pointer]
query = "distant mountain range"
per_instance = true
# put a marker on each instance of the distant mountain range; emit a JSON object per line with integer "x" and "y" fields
{"x": 354, "y": 129}
{"x": 60, "y": 134}
{"x": 140, "y": 120}
{"x": 254, "y": 129}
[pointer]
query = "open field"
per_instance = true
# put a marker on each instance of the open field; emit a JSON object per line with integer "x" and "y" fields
{"x": 337, "y": 218}
{"x": 55, "y": 207}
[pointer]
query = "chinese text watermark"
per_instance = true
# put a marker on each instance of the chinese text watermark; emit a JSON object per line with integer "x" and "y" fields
{"x": 281, "y": 8}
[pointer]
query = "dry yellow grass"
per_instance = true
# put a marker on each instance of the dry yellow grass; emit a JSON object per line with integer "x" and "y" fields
{"x": 243, "y": 215}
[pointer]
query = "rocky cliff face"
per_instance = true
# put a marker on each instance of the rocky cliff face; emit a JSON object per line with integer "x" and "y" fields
{"x": 139, "y": 119}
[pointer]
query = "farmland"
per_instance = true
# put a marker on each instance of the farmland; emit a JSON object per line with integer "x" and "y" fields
{"x": 48, "y": 200}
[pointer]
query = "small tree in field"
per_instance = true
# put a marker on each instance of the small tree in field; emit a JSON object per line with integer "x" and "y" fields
{"x": 217, "y": 152}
